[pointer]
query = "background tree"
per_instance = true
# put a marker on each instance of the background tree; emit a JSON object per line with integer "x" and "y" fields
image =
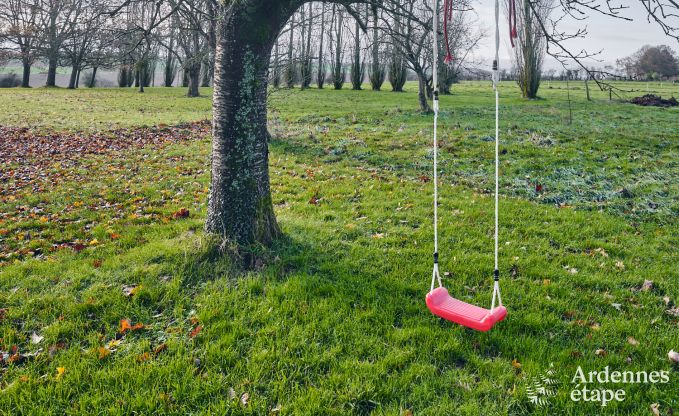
{"x": 19, "y": 33}
{"x": 530, "y": 49}
{"x": 650, "y": 61}
{"x": 357, "y": 65}
{"x": 377, "y": 66}
{"x": 56, "y": 21}
{"x": 336, "y": 39}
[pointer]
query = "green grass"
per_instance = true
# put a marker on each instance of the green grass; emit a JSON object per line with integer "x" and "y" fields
{"x": 333, "y": 321}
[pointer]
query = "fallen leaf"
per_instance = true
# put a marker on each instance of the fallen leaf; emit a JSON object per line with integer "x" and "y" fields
{"x": 595, "y": 326}
{"x": 601, "y": 352}
{"x": 648, "y": 285}
{"x": 103, "y": 352}
{"x": 144, "y": 357}
{"x": 195, "y": 331}
{"x": 97, "y": 263}
{"x": 60, "y": 372}
{"x": 126, "y": 325}
{"x": 673, "y": 356}
{"x": 655, "y": 409}
{"x": 378, "y": 236}
{"x": 546, "y": 282}
{"x": 244, "y": 398}
{"x": 231, "y": 393}
{"x": 674, "y": 311}
{"x": 160, "y": 348}
{"x": 131, "y": 290}
{"x": 181, "y": 213}
{"x": 516, "y": 364}
{"x": 616, "y": 305}
{"x": 620, "y": 265}
{"x": 94, "y": 242}
{"x": 632, "y": 341}
{"x": 112, "y": 344}
{"x": 35, "y": 338}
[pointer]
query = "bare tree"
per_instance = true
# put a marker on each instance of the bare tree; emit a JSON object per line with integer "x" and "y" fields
{"x": 337, "y": 70}
{"x": 530, "y": 47}
{"x": 357, "y": 65}
{"x": 19, "y": 30}
{"x": 57, "y": 20}
{"x": 378, "y": 70}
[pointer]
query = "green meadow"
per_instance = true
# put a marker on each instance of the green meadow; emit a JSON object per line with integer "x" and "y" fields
{"x": 113, "y": 301}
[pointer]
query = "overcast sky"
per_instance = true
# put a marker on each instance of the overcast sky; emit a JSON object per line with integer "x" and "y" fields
{"x": 618, "y": 38}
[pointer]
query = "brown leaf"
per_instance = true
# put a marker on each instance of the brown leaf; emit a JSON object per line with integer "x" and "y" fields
{"x": 674, "y": 311}
{"x": 160, "y": 348}
{"x": 516, "y": 364}
{"x": 655, "y": 409}
{"x": 181, "y": 213}
{"x": 244, "y": 398}
{"x": 632, "y": 341}
{"x": 601, "y": 352}
{"x": 144, "y": 357}
{"x": 648, "y": 285}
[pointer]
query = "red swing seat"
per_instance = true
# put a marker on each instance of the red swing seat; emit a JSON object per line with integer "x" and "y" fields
{"x": 441, "y": 304}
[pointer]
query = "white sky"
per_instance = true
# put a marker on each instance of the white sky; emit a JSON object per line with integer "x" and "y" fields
{"x": 615, "y": 37}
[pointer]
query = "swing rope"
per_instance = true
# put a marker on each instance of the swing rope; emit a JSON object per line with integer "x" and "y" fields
{"x": 435, "y": 273}
{"x": 436, "y": 277}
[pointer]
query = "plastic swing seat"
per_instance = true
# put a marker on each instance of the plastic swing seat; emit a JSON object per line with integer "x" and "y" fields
{"x": 441, "y": 304}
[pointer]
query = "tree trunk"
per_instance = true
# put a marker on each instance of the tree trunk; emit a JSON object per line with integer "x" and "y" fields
{"x": 422, "y": 92}
{"x": 93, "y": 79}
{"x": 52, "y": 72}
{"x": 240, "y": 209}
{"x": 26, "y": 79}
{"x": 320, "y": 74}
{"x": 194, "y": 80}
{"x": 72, "y": 79}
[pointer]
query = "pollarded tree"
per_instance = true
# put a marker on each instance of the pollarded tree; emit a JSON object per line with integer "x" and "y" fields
{"x": 529, "y": 51}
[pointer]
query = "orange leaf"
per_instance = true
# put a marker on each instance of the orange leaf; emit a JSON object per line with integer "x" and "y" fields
{"x": 144, "y": 357}
{"x": 104, "y": 352}
{"x": 196, "y": 331}
{"x": 125, "y": 325}
{"x": 516, "y": 364}
{"x": 60, "y": 372}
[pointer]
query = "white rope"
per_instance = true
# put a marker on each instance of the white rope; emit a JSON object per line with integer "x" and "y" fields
{"x": 496, "y": 80}
{"x": 435, "y": 272}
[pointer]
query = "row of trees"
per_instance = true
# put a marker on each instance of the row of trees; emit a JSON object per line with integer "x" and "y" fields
{"x": 322, "y": 42}
{"x": 326, "y": 44}
{"x": 134, "y": 36}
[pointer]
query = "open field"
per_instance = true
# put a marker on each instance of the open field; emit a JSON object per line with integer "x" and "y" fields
{"x": 97, "y": 228}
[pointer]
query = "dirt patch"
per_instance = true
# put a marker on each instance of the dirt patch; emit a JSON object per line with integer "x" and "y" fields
{"x": 650, "y": 100}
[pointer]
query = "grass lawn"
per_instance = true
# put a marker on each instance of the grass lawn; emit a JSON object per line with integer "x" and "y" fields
{"x": 112, "y": 302}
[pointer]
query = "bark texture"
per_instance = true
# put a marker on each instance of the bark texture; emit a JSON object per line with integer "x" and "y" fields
{"x": 240, "y": 209}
